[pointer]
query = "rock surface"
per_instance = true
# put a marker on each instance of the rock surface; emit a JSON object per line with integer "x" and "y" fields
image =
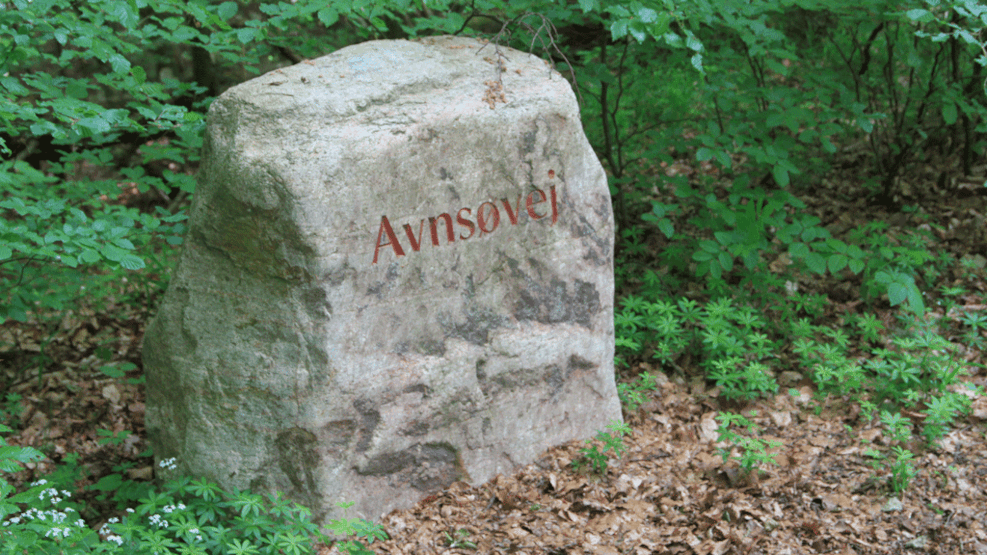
{"x": 398, "y": 275}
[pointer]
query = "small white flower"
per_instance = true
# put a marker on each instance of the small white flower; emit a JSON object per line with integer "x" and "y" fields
{"x": 129, "y": 510}
{"x": 117, "y": 539}
{"x": 39, "y": 483}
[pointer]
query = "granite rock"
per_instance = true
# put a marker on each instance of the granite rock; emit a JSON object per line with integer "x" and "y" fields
{"x": 398, "y": 275}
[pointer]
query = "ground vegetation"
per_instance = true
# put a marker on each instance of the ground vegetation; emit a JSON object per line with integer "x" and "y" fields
{"x": 800, "y": 191}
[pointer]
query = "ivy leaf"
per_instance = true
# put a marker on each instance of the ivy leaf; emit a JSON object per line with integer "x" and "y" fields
{"x": 724, "y": 159}
{"x": 227, "y": 10}
{"x": 949, "y": 114}
{"x": 124, "y": 12}
{"x": 139, "y": 75}
{"x": 328, "y": 16}
{"x": 96, "y": 125}
{"x": 132, "y": 262}
{"x": 666, "y": 227}
{"x": 89, "y": 256}
{"x": 780, "y": 174}
{"x": 246, "y": 34}
{"x": 697, "y": 62}
{"x": 897, "y": 293}
{"x": 816, "y": 263}
{"x": 726, "y": 261}
{"x": 618, "y": 29}
{"x": 647, "y": 15}
{"x": 837, "y": 262}
{"x": 798, "y": 250}
{"x": 919, "y": 15}
{"x": 637, "y": 32}
{"x": 693, "y": 43}
{"x": 915, "y": 302}
{"x": 119, "y": 63}
{"x": 587, "y": 5}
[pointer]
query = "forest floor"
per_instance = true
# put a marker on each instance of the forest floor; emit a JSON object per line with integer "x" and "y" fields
{"x": 670, "y": 492}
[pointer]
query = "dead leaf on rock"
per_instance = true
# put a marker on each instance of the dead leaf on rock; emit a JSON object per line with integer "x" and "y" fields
{"x": 979, "y": 408}
{"x": 781, "y": 418}
{"x": 144, "y": 473}
{"x": 111, "y": 394}
{"x": 708, "y": 427}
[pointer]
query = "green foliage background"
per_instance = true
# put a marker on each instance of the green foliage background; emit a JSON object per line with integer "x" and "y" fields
{"x": 104, "y": 100}
{"x": 102, "y": 107}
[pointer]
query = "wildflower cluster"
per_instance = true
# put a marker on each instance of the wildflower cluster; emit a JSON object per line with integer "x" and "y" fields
{"x": 47, "y": 517}
{"x": 185, "y": 517}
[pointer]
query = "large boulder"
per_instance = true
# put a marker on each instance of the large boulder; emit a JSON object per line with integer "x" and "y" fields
{"x": 398, "y": 275}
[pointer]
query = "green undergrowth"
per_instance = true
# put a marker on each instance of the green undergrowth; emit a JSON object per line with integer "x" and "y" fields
{"x": 742, "y": 343}
{"x": 184, "y": 516}
{"x": 722, "y": 269}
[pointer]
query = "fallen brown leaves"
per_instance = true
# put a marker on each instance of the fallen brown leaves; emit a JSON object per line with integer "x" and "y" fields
{"x": 672, "y": 493}
{"x": 66, "y": 405}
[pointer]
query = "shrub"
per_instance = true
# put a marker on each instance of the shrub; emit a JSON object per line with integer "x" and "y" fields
{"x": 185, "y": 517}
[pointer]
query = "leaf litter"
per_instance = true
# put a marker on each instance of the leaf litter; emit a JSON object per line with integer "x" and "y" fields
{"x": 670, "y": 492}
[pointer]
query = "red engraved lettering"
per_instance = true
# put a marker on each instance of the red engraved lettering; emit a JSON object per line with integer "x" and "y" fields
{"x": 481, "y": 220}
{"x": 392, "y": 240}
{"x": 555, "y": 207}
{"x": 465, "y": 223}
{"x": 530, "y": 204}
{"x": 512, "y": 214}
{"x": 416, "y": 244}
{"x": 434, "y": 228}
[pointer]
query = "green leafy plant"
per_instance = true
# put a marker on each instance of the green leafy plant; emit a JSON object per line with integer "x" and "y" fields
{"x": 919, "y": 371}
{"x": 634, "y": 394}
{"x": 186, "y": 516}
{"x": 729, "y": 340}
{"x": 976, "y": 335}
{"x": 459, "y": 539}
{"x": 902, "y": 470}
{"x": 11, "y": 409}
{"x": 363, "y": 530}
{"x": 869, "y": 327}
{"x": 597, "y": 458}
{"x": 876, "y": 458}
{"x": 753, "y": 450}
{"x": 899, "y": 427}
